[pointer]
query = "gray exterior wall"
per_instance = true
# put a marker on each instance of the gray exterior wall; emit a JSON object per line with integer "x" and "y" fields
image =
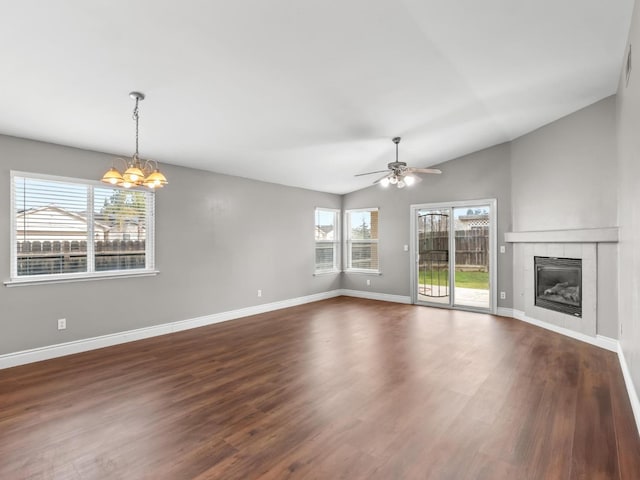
{"x": 481, "y": 175}
{"x": 628, "y": 123}
{"x": 563, "y": 177}
{"x": 242, "y": 236}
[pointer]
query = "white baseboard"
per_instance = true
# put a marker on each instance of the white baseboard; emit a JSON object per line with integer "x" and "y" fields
{"x": 52, "y": 351}
{"x": 631, "y": 389}
{"x": 607, "y": 343}
{"x": 601, "y": 341}
{"x": 505, "y": 312}
{"x": 385, "y": 297}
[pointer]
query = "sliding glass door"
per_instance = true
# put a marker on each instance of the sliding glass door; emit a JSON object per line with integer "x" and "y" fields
{"x": 433, "y": 255}
{"x": 472, "y": 255}
{"x": 453, "y": 251}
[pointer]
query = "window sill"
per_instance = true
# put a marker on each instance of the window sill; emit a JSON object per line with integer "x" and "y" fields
{"x": 320, "y": 273}
{"x": 363, "y": 272}
{"x": 22, "y": 282}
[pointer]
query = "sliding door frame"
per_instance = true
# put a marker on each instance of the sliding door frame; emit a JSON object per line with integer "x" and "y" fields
{"x": 493, "y": 251}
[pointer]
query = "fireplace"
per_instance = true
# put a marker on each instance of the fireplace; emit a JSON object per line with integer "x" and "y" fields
{"x": 558, "y": 284}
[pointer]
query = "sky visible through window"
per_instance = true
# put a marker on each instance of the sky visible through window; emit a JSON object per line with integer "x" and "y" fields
{"x": 358, "y": 218}
{"x": 324, "y": 217}
{"x": 462, "y": 212}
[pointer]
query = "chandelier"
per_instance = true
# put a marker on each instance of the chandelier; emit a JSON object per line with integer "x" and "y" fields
{"x": 136, "y": 172}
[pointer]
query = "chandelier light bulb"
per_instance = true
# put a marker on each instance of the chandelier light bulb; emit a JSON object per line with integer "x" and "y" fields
{"x": 393, "y": 180}
{"x": 385, "y": 182}
{"x": 401, "y": 184}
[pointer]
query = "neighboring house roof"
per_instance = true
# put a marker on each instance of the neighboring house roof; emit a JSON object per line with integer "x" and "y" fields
{"x": 466, "y": 222}
{"x": 324, "y": 232}
{"x": 469, "y": 218}
{"x": 53, "y": 219}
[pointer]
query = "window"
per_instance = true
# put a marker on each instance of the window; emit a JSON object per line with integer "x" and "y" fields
{"x": 67, "y": 228}
{"x": 362, "y": 240}
{"x": 327, "y": 240}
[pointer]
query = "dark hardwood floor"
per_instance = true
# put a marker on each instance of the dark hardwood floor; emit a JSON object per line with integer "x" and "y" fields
{"x": 343, "y": 388}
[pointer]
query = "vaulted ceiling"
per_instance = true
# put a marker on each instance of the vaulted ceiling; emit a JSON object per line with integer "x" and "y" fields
{"x": 303, "y": 93}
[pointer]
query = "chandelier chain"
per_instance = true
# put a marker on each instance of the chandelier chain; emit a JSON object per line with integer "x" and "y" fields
{"x": 136, "y": 116}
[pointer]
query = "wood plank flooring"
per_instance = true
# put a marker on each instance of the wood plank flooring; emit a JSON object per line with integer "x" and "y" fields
{"x": 343, "y": 388}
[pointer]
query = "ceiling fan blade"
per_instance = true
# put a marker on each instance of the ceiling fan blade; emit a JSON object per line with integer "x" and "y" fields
{"x": 380, "y": 179}
{"x": 371, "y": 173}
{"x": 424, "y": 170}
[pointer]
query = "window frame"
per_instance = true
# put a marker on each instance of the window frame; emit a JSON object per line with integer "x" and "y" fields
{"x": 91, "y": 273}
{"x": 336, "y": 242}
{"x": 348, "y": 242}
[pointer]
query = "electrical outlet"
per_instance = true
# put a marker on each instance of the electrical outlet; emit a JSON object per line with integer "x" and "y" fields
{"x": 503, "y": 249}
{"x": 62, "y": 323}
{"x": 503, "y": 295}
{"x": 259, "y": 293}
{"x": 368, "y": 282}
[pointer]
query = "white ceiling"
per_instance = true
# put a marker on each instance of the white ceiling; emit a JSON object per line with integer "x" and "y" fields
{"x": 304, "y": 93}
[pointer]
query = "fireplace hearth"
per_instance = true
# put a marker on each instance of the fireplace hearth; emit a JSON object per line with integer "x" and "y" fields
{"x": 558, "y": 284}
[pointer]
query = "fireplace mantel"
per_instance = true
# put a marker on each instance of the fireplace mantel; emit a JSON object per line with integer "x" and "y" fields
{"x": 584, "y": 235}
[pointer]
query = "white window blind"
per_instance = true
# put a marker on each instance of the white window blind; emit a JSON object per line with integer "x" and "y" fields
{"x": 362, "y": 240}
{"x": 327, "y": 240}
{"x": 64, "y": 228}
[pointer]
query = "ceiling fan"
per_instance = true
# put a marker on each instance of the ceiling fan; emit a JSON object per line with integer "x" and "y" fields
{"x": 398, "y": 174}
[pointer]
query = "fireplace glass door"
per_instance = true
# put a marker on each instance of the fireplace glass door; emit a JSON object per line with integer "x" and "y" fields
{"x": 558, "y": 284}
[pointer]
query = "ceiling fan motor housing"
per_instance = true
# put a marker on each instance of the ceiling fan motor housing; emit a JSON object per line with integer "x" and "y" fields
{"x": 397, "y": 167}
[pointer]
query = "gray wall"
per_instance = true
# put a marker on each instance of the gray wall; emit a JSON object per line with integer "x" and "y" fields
{"x": 628, "y": 123}
{"x": 484, "y": 174}
{"x": 246, "y": 235}
{"x": 242, "y": 235}
{"x": 564, "y": 176}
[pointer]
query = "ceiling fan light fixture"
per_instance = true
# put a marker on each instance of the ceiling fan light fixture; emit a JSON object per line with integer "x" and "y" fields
{"x": 398, "y": 173}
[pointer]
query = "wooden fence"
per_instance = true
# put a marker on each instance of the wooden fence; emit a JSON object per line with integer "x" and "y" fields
{"x": 471, "y": 248}
{"x": 53, "y": 257}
